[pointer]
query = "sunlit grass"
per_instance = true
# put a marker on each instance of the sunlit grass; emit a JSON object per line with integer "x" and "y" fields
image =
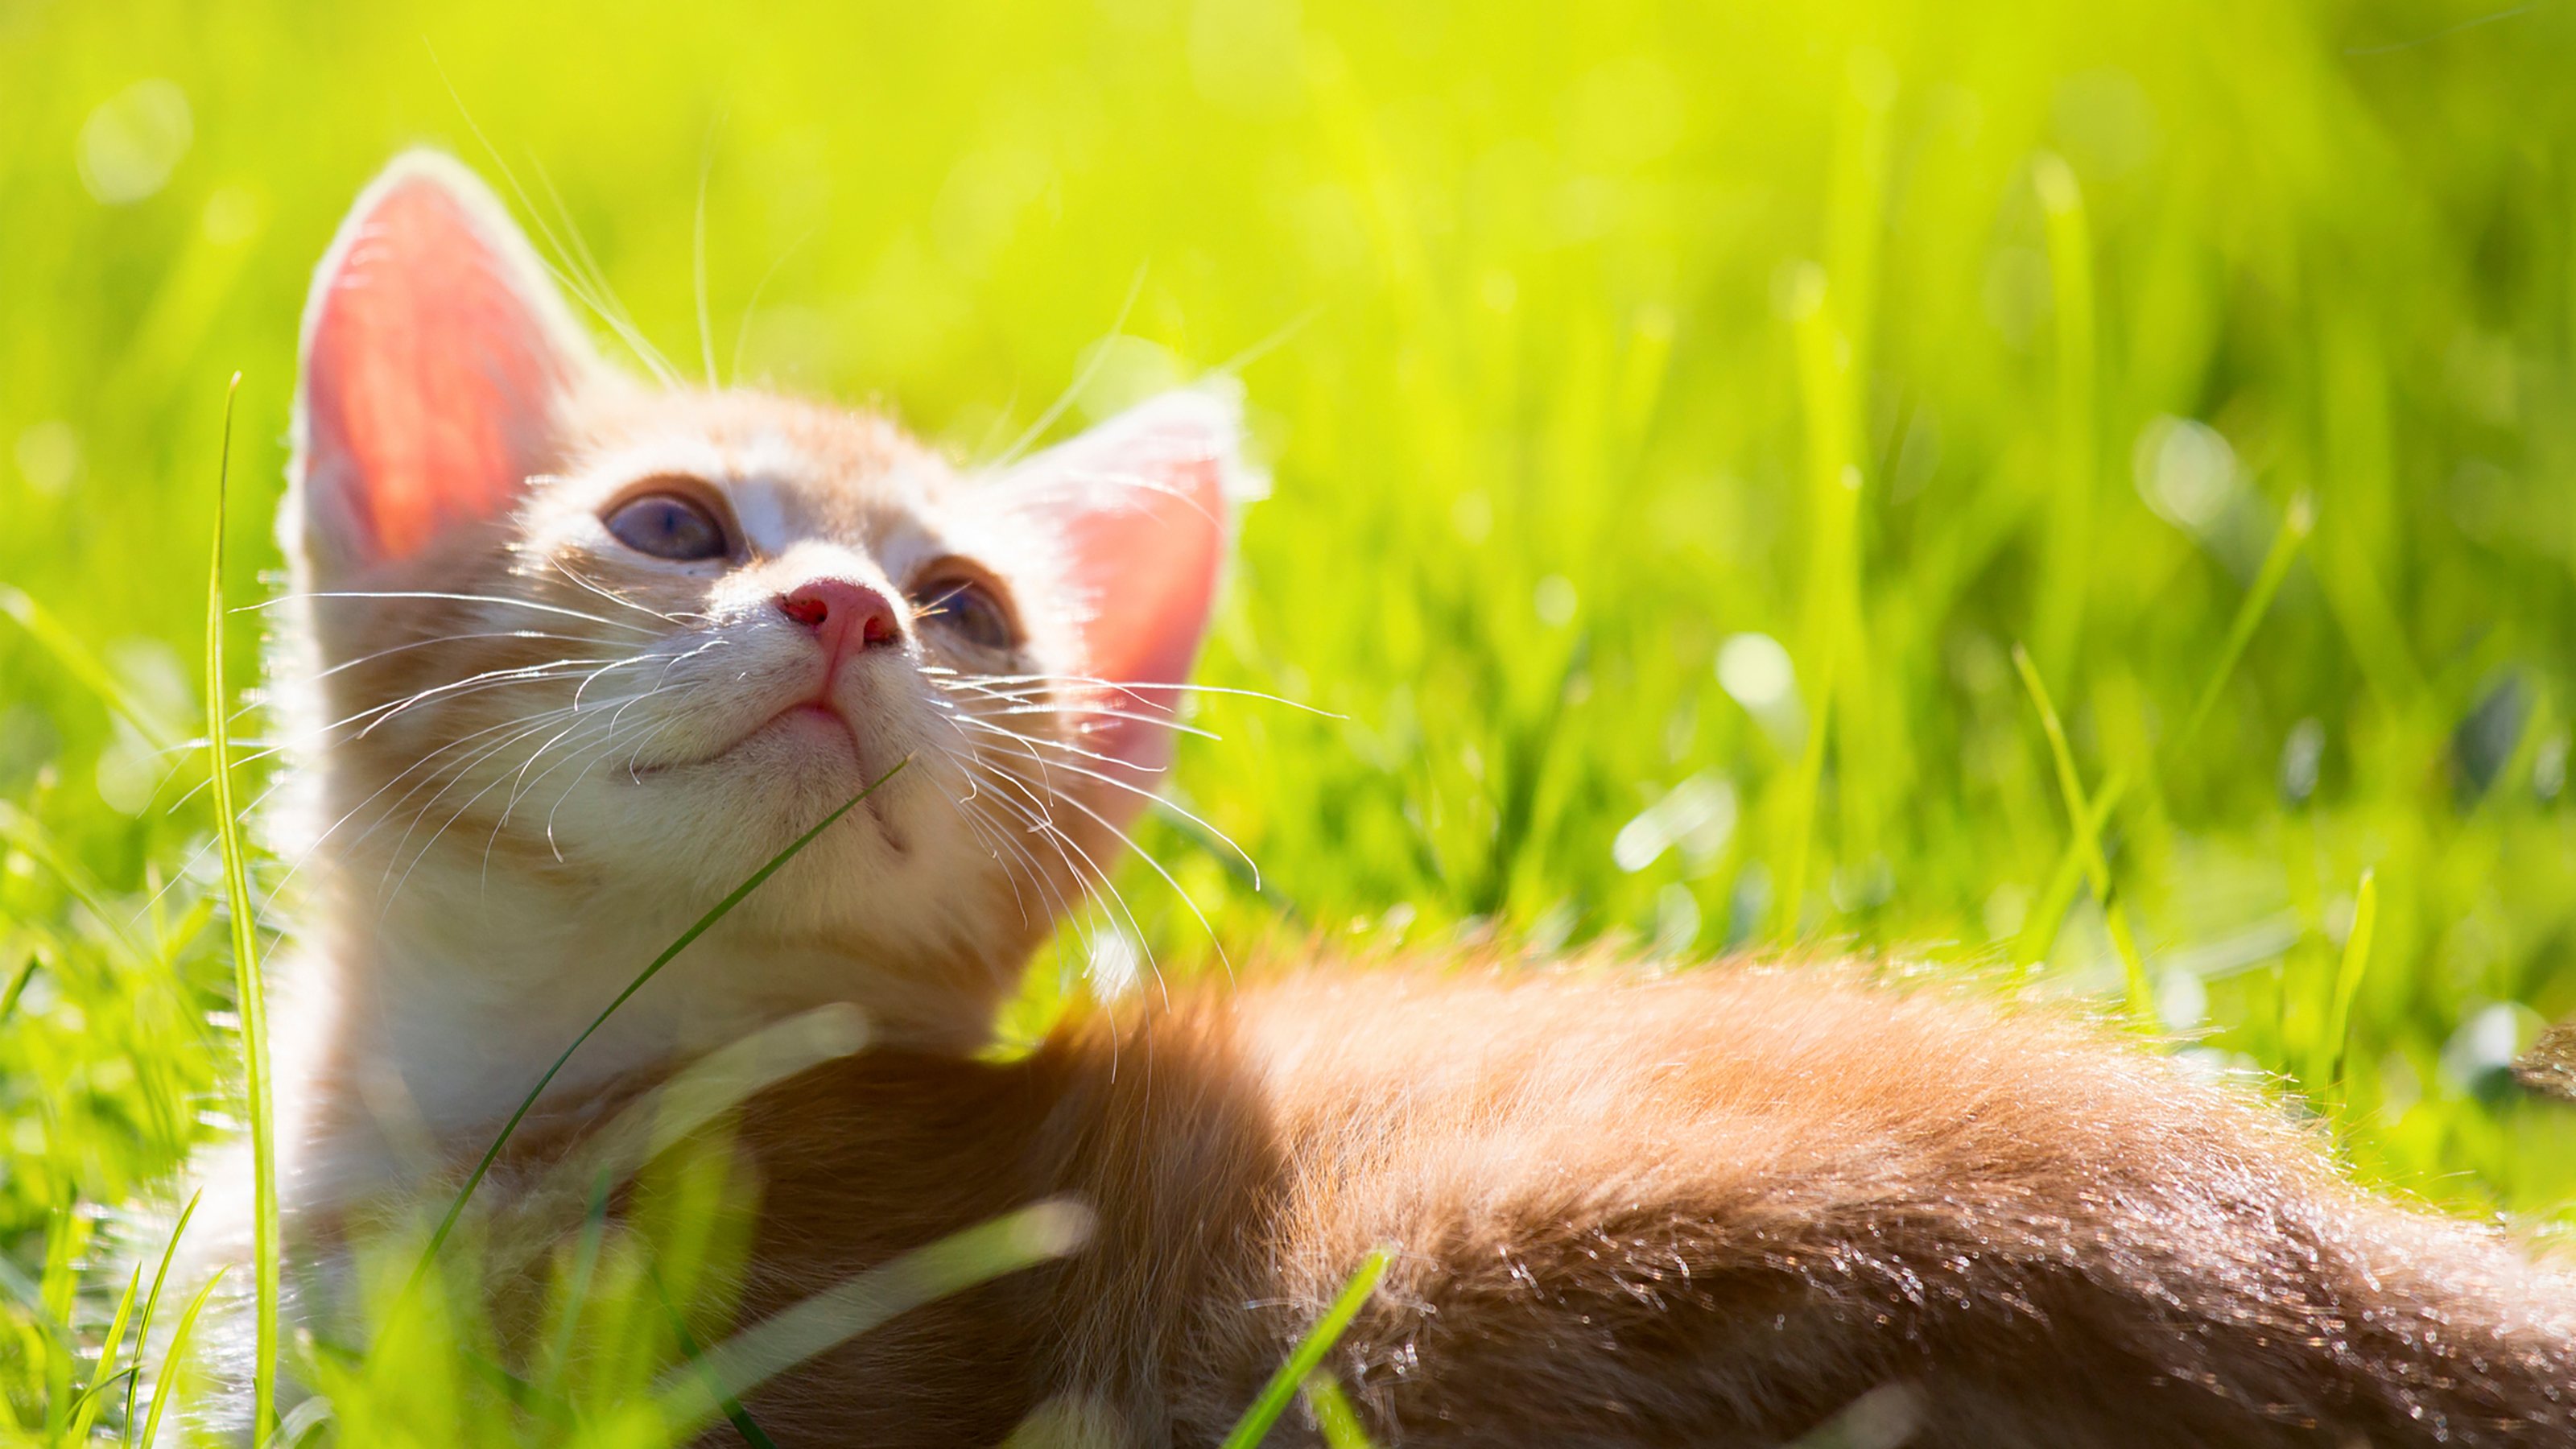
{"x": 250, "y": 992}
{"x": 1678, "y": 418}
{"x": 1298, "y": 1369}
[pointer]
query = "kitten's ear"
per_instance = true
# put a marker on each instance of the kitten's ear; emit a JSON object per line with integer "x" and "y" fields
{"x": 436, "y": 356}
{"x": 1138, "y": 508}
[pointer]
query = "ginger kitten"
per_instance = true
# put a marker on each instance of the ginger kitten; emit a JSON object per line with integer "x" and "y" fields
{"x": 577, "y": 655}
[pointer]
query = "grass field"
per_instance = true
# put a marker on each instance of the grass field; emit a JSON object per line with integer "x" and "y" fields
{"x": 1702, "y": 439}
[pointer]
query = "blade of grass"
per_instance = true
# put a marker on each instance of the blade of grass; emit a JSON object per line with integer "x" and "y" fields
{"x": 66, "y": 1234}
{"x": 2066, "y": 570}
{"x": 2086, "y": 821}
{"x": 152, "y": 1301}
{"x": 2295, "y": 528}
{"x": 81, "y": 664}
{"x": 2041, "y": 934}
{"x": 17, "y": 988}
{"x": 1334, "y": 1412}
{"x": 707, "y": 1089}
{"x": 1272, "y": 1401}
{"x": 1829, "y": 602}
{"x": 794, "y": 1334}
{"x": 86, "y": 1412}
{"x": 2356, "y": 960}
{"x": 735, "y": 1414}
{"x": 585, "y": 1264}
{"x": 27, "y": 835}
{"x": 473, "y": 1180}
{"x": 300, "y": 1422}
{"x": 177, "y": 1355}
{"x": 247, "y": 985}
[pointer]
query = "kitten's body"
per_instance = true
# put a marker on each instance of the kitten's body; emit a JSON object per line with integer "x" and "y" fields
{"x": 578, "y": 657}
{"x": 1715, "y": 1209}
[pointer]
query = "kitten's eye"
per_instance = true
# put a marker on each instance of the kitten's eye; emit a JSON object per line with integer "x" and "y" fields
{"x": 969, "y": 609}
{"x": 667, "y": 525}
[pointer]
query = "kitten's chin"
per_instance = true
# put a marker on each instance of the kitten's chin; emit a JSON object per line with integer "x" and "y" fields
{"x": 753, "y": 797}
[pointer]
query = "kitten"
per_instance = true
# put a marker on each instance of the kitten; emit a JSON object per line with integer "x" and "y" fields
{"x": 580, "y": 656}
{"x": 569, "y": 658}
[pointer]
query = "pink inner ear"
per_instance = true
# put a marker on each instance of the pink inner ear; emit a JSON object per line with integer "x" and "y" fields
{"x": 430, "y": 374}
{"x": 1144, "y": 529}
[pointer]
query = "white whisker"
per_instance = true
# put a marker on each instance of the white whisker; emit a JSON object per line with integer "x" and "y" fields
{"x": 1118, "y": 784}
{"x": 503, "y": 599}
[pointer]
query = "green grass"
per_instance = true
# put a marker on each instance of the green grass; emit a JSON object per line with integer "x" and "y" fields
{"x": 2219, "y": 359}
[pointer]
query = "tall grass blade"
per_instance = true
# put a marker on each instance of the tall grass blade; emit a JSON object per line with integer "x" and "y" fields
{"x": 2348, "y": 973}
{"x": 84, "y": 665}
{"x": 152, "y": 1301}
{"x": 731, "y": 1404}
{"x": 250, "y": 990}
{"x": 707, "y": 1089}
{"x": 1335, "y": 1414}
{"x": 2040, "y": 935}
{"x": 795, "y": 1334}
{"x": 66, "y": 1233}
{"x": 86, "y": 1411}
{"x": 1272, "y": 1401}
{"x": 2295, "y": 528}
{"x": 722, "y": 908}
{"x": 2066, "y": 572}
{"x": 178, "y": 1355}
{"x": 1829, "y": 594}
{"x": 576, "y": 1290}
{"x": 2086, "y": 821}
{"x": 17, "y": 988}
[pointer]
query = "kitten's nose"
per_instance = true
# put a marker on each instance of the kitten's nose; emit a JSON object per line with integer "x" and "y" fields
{"x": 842, "y": 614}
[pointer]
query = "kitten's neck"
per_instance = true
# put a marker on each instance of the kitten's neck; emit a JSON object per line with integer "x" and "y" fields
{"x": 422, "y": 1018}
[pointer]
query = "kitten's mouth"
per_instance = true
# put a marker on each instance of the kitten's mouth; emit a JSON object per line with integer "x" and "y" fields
{"x": 812, "y": 723}
{"x": 818, "y": 719}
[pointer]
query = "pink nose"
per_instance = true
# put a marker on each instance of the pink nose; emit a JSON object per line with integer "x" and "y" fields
{"x": 842, "y": 614}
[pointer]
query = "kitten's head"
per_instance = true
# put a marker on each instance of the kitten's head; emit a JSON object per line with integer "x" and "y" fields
{"x": 634, "y": 640}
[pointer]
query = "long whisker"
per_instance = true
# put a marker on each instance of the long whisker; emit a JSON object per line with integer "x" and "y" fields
{"x": 509, "y": 802}
{"x": 968, "y": 818}
{"x": 611, "y": 595}
{"x": 520, "y": 674}
{"x": 1042, "y": 823}
{"x": 319, "y": 734}
{"x": 1157, "y": 866}
{"x": 614, "y": 310}
{"x": 191, "y": 746}
{"x": 1134, "y": 687}
{"x": 543, "y": 608}
{"x": 1039, "y": 700}
{"x": 983, "y": 719}
{"x": 1086, "y": 715}
{"x": 599, "y": 299}
{"x": 1078, "y": 484}
{"x": 1279, "y": 337}
{"x": 698, "y": 255}
{"x": 1117, "y": 784}
{"x": 1038, "y": 820}
{"x": 750, "y": 309}
{"x": 1081, "y": 380}
{"x": 446, "y": 778}
{"x": 517, "y": 729}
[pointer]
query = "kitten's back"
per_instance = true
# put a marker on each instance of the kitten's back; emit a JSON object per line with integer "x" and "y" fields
{"x": 1719, "y": 1208}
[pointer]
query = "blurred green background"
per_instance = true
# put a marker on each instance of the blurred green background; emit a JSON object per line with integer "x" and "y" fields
{"x": 1678, "y": 417}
